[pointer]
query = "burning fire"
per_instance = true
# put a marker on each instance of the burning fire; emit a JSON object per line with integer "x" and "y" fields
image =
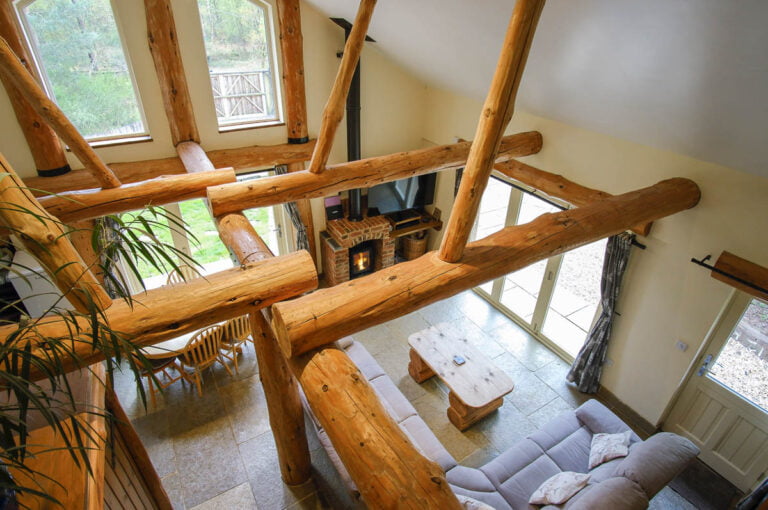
{"x": 361, "y": 261}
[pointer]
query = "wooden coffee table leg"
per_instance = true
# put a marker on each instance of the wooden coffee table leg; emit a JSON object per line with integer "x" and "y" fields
{"x": 463, "y": 416}
{"x": 419, "y": 370}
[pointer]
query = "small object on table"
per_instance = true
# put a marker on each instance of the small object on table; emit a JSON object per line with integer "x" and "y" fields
{"x": 477, "y": 385}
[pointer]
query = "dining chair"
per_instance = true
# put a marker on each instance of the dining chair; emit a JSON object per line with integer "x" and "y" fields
{"x": 182, "y": 274}
{"x": 201, "y": 352}
{"x": 236, "y": 332}
{"x": 157, "y": 373}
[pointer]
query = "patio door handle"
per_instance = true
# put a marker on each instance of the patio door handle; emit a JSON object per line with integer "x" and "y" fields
{"x": 705, "y": 366}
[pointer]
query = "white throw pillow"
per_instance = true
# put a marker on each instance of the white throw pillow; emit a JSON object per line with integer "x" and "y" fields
{"x": 559, "y": 488}
{"x": 468, "y": 503}
{"x": 608, "y": 446}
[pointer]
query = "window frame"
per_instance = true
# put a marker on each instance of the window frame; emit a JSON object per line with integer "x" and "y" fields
{"x": 42, "y": 75}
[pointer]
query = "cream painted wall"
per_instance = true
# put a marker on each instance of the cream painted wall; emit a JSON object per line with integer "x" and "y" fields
{"x": 392, "y": 100}
{"x": 665, "y": 298}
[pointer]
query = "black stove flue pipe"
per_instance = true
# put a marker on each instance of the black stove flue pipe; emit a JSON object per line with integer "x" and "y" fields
{"x": 353, "y": 126}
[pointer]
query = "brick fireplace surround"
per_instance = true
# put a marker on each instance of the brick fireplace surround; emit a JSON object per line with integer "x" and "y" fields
{"x": 342, "y": 234}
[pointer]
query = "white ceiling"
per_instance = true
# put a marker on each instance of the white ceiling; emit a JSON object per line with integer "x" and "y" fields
{"x": 689, "y": 76}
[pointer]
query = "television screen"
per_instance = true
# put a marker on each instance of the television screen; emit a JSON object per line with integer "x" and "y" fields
{"x": 410, "y": 193}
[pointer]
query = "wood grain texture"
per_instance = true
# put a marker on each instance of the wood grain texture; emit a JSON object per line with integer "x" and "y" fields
{"x": 243, "y": 158}
{"x": 305, "y": 213}
{"x": 497, "y": 112}
{"x": 329, "y": 314}
{"x": 292, "y": 50}
{"x": 195, "y": 304}
{"x": 558, "y": 186}
{"x": 237, "y": 234}
{"x": 744, "y": 269}
{"x": 79, "y": 205}
{"x": 15, "y": 72}
{"x": 363, "y": 173}
{"x": 164, "y": 46}
{"x": 42, "y": 140}
{"x": 334, "y": 108}
{"x": 193, "y": 157}
{"x": 388, "y": 470}
{"x": 43, "y": 236}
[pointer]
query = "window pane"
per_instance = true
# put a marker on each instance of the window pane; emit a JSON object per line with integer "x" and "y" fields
{"x": 742, "y": 364}
{"x": 207, "y": 248}
{"x": 238, "y": 46}
{"x": 263, "y": 221}
{"x": 493, "y": 208}
{"x": 576, "y": 297}
{"x": 79, "y": 49}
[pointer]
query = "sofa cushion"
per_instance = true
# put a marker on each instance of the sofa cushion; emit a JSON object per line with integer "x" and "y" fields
{"x": 473, "y": 483}
{"x": 614, "y": 494}
{"x": 656, "y": 461}
{"x": 607, "y": 447}
{"x": 559, "y": 488}
{"x": 599, "y": 419}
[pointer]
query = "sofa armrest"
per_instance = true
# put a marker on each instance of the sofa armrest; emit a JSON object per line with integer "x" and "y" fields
{"x": 656, "y": 461}
{"x": 601, "y": 420}
{"x": 613, "y": 493}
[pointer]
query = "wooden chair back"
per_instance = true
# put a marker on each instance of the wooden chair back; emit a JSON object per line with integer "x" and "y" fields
{"x": 183, "y": 274}
{"x": 237, "y": 330}
{"x": 202, "y": 350}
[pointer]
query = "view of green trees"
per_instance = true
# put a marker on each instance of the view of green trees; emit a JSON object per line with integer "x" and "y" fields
{"x": 235, "y": 35}
{"x": 80, "y": 49}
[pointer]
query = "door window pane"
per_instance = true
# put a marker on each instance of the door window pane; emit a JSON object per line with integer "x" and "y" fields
{"x": 742, "y": 364}
{"x": 238, "y": 44}
{"x": 78, "y": 48}
{"x": 576, "y": 297}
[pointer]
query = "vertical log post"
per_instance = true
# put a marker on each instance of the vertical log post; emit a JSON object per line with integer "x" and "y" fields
{"x": 334, "y": 108}
{"x": 292, "y": 46}
{"x": 497, "y": 112}
{"x": 44, "y": 237}
{"x": 15, "y": 72}
{"x": 42, "y": 140}
{"x": 164, "y": 46}
{"x": 286, "y": 416}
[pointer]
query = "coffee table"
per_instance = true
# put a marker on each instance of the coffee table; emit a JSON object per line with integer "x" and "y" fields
{"x": 477, "y": 386}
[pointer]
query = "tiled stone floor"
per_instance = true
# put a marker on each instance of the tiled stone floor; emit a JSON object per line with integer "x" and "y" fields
{"x": 217, "y": 452}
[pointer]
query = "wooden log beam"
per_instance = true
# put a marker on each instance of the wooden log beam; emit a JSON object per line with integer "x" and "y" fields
{"x": 286, "y": 415}
{"x": 79, "y": 205}
{"x": 329, "y": 314}
{"x": 194, "y": 158}
{"x": 164, "y": 47}
{"x": 45, "y": 239}
{"x": 305, "y": 213}
{"x": 170, "y": 311}
{"x": 292, "y": 50}
{"x": 387, "y": 469}
{"x": 44, "y": 145}
{"x": 558, "y": 186}
{"x": 15, "y": 72}
{"x": 744, "y": 270}
{"x": 357, "y": 174}
{"x": 242, "y": 158}
{"x": 496, "y": 114}
{"x": 334, "y": 108}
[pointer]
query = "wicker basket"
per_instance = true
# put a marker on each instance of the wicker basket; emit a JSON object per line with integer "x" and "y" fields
{"x": 413, "y": 247}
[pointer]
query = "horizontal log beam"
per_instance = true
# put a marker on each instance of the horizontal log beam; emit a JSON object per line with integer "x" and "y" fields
{"x": 329, "y": 314}
{"x": 558, "y": 186}
{"x": 357, "y": 174}
{"x": 80, "y": 205}
{"x": 243, "y": 158}
{"x": 169, "y": 311}
{"x": 744, "y": 270}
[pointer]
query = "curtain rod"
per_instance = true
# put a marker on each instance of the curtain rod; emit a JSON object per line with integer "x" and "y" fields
{"x": 703, "y": 263}
{"x": 553, "y": 203}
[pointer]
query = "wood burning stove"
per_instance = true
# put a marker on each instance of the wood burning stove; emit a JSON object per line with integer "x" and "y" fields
{"x": 361, "y": 259}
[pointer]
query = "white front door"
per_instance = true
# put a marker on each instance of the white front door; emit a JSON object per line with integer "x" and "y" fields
{"x": 723, "y": 407}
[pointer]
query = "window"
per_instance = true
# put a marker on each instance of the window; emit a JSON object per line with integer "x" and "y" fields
{"x": 80, "y": 57}
{"x": 240, "y": 52}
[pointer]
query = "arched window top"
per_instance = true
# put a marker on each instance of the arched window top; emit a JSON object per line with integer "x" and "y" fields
{"x": 81, "y": 59}
{"x": 239, "y": 46}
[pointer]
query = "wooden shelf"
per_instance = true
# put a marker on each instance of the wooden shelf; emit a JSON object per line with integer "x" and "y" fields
{"x": 424, "y": 222}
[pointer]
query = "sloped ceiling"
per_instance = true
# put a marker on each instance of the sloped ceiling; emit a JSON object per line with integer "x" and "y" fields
{"x": 690, "y": 76}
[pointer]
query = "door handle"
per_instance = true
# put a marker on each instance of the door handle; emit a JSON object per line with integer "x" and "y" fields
{"x": 705, "y": 366}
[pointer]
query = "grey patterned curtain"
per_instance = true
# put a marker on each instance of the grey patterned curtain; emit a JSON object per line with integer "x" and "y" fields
{"x": 588, "y": 366}
{"x": 302, "y": 243}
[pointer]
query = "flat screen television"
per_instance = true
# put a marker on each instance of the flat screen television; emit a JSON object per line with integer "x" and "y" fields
{"x": 411, "y": 193}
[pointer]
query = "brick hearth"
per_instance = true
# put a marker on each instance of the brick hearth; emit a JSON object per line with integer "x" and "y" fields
{"x": 342, "y": 234}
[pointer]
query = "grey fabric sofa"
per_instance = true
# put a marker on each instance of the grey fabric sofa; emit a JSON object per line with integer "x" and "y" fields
{"x": 563, "y": 444}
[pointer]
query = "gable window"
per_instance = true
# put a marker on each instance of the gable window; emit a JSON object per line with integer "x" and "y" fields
{"x": 240, "y": 50}
{"x": 79, "y": 55}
